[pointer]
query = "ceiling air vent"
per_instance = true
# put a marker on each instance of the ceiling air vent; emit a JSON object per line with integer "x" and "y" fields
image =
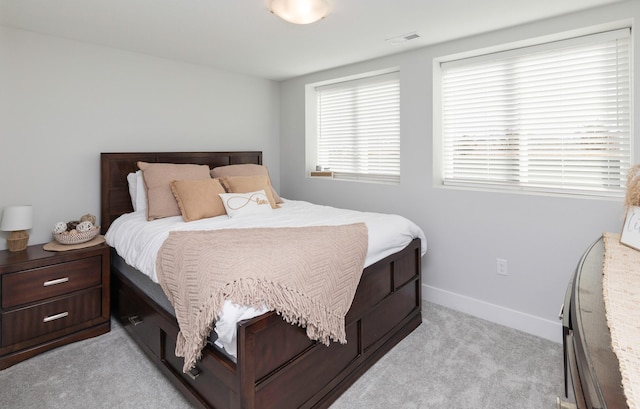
{"x": 402, "y": 38}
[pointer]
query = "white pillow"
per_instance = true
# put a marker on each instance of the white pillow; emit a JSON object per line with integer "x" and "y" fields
{"x": 237, "y": 204}
{"x": 131, "y": 180}
{"x": 137, "y": 191}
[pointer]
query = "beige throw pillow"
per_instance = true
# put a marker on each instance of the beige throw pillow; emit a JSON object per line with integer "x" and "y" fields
{"x": 157, "y": 176}
{"x": 247, "y": 169}
{"x": 198, "y": 199}
{"x": 246, "y": 184}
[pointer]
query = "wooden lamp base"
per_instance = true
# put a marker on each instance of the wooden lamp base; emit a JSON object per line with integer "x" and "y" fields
{"x": 17, "y": 240}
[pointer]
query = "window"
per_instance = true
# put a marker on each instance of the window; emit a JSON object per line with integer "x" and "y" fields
{"x": 353, "y": 127}
{"x": 553, "y": 117}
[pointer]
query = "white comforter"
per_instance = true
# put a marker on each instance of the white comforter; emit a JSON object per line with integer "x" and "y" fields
{"x": 138, "y": 241}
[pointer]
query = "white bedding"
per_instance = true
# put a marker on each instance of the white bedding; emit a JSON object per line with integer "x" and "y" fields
{"x": 137, "y": 241}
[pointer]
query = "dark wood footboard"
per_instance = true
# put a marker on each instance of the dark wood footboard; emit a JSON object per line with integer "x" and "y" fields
{"x": 277, "y": 365}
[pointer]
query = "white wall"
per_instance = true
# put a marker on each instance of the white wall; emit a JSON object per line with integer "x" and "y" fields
{"x": 542, "y": 237}
{"x": 63, "y": 102}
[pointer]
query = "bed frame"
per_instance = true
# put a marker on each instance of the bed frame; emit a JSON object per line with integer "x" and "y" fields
{"x": 278, "y": 366}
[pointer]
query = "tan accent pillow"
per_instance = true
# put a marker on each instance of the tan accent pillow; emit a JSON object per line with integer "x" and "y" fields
{"x": 198, "y": 199}
{"x": 157, "y": 176}
{"x": 246, "y": 184}
{"x": 247, "y": 169}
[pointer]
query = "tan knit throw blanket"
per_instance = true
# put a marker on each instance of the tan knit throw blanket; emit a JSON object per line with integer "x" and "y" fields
{"x": 308, "y": 275}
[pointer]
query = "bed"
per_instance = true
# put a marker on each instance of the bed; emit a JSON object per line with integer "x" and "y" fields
{"x": 276, "y": 364}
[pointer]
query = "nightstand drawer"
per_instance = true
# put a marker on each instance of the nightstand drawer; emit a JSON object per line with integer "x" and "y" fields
{"x": 28, "y": 323}
{"x": 50, "y": 281}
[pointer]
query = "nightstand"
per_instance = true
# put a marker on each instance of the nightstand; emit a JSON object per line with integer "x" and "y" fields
{"x": 49, "y": 299}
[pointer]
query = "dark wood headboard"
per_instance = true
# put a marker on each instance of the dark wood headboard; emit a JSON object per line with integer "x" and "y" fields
{"x": 114, "y": 168}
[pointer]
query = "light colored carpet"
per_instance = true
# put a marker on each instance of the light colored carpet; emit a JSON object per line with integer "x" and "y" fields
{"x": 457, "y": 361}
{"x": 451, "y": 361}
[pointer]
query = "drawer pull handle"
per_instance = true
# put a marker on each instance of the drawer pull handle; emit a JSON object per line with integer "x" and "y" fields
{"x": 56, "y": 281}
{"x": 561, "y": 313}
{"x": 561, "y": 404}
{"x": 194, "y": 372}
{"x": 135, "y": 320}
{"x": 55, "y": 317}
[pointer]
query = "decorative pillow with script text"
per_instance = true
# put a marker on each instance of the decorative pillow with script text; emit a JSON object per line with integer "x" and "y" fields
{"x": 238, "y": 204}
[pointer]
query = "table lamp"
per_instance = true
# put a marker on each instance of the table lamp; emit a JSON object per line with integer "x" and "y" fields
{"x": 17, "y": 219}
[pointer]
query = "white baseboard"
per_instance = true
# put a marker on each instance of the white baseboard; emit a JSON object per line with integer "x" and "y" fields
{"x": 500, "y": 315}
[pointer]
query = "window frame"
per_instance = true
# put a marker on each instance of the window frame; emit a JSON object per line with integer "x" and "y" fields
{"x": 489, "y": 53}
{"x": 311, "y": 127}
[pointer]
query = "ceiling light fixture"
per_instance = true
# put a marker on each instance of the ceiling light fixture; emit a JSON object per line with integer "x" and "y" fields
{"x": 300, "y": 11}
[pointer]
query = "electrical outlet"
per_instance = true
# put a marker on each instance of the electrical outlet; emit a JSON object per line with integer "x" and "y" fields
{"x": 502, "y": 267}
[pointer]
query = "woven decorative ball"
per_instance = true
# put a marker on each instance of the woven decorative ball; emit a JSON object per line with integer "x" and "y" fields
{"x": 88, "y": 218}
{"x": 84, "y": 226}
{"x": 77, "y": 237}
{"x": 59, "y": 227}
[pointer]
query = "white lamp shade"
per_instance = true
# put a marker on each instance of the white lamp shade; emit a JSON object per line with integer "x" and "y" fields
{"x": 17, "y": 218}
{"x": 300, "y": 11}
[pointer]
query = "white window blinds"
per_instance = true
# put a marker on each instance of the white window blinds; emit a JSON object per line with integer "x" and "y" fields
{"x": 553, "y": 117}
{"x": 358, "y": 128}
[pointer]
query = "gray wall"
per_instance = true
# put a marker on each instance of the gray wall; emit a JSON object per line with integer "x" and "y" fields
{"x": 63, "y": 102}
{"x": 542, "y": 237}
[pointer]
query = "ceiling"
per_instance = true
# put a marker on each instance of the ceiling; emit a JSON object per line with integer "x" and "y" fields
{"x": 243, "y": 36}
